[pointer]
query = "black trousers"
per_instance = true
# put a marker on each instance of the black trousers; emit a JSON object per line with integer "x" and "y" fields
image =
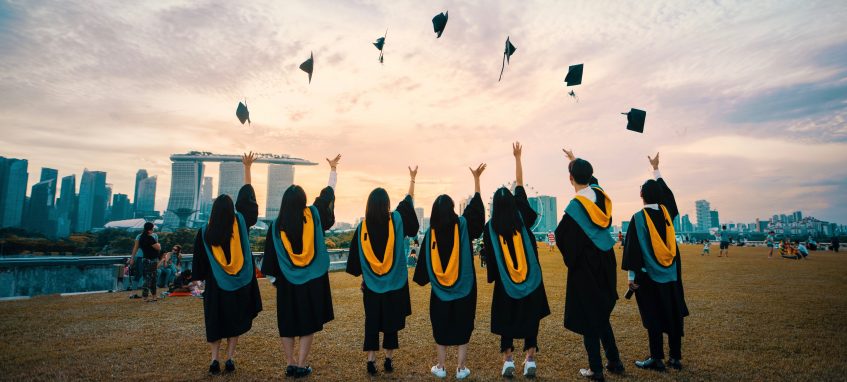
{"x": 592, "y": 346}
{"x": 389, "y": 340}
{"x": 508, "y": 343}
{"x": 657, "y": 346}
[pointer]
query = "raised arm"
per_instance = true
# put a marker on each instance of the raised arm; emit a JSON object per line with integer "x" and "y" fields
{"x": 476, "y": 174}
{"x": 412, "y": 175}
{"x": 516, "y": 151}
{"x": 333, "y": 175}
{"x": 247, "y": 159}
{"x": 668, "y": 199}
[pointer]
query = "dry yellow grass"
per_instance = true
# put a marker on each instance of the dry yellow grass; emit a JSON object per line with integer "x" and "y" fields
{"x": 751, "y": 319}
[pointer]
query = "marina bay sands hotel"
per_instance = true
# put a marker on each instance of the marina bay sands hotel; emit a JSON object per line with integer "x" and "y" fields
{"x": 191, "y": 192}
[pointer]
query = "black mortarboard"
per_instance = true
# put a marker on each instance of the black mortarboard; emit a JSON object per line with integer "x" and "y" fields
{"x": 242, "y": 113}
{"x": 635, "y": 120}
{"x": 308, "y": 66}
{"x": 380, "y": 43}
{"x": 574, "y": 76}
{"x": 438, "y": 23}
{"x": 507, "y": 53}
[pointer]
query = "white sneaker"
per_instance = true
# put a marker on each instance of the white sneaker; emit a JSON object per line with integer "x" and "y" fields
{"x": 529, "y": 369}
{"x": 439, "y": 372}
{"x": 463, "y": 373}
{"x": 587, "y": 373}
{"x": 508, "y": 369}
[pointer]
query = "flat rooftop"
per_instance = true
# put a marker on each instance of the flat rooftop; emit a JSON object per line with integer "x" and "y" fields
{"x": 202, "y": 156}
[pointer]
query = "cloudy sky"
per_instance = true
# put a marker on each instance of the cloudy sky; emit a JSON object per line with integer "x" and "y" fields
{"x": 746, "y": 101}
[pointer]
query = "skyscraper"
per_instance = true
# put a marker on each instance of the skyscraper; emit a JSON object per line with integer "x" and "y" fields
{"x": 231, "y": 179}
{"x": 419, "y": 212}
{"x": 13, "y": 179}
{"x": 206, "y": 198}
{"x": 704, "y": 217}
{"x": 66, "y": 207}
{"x": 715, "y": 219}
{"x": 48, "y": 174}
{"x": 280, "y": 177}
{"x": 121, "y": 208}
{"x": 686, "y": 224}
{"x": 549, "y": 217}
{"x": 36, "y": 219}
{"x": 145, "y": 205}
{"x": 139, "y": 176}
{"x": 91, "y": 206}
{"x": 186, "y": 178}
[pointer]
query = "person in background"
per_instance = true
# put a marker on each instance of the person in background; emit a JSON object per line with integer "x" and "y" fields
{"x": 705, "y": 248}
{"x": 724, "y": 240}
{"x": 413, "y": 253}
{"x": 835, "y": 243}
{"x": 150, "y": 248}
{"x": 620, "y": 238}
{"x": 770, "y": 241}
{"x": 812, "y": 244}
{"x": 168, "y": 267}
{"x": 802, "y": 251}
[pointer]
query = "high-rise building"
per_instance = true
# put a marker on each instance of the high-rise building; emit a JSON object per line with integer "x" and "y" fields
{"x": 686, "y": 224}
{"x": 624, "y": 226}
{"x": 545, "y": 207}
{"x": 48, "y": 174}
{"x": 677, "y": 223}
{"x": 66, "y": 207}
{"x": 13, "y": 180}
{"x": 186, "y": 178}
{"x": 798, "y": 215}
{"x": 419, "y": 212}
{"x": 139, "y": 176}
{"x": 704, "y": 217}
{"x": 280, "y": 177}
{"x": 231, "y": 179}
{"x": 145, "y": 205}
{"x": 91, "y": 206}
{"x": 715, "y": 219}
{"x": 38, "y": 213}
{"x": 108, "y": 196}
{"x": 121, "y": 208}
{"x": 206, "y": 198}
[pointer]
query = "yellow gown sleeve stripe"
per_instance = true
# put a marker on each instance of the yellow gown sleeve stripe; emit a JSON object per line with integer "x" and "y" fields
{"x": 446, "y": 276}
{"x": 595, "y": 213}
{"x": 665, "y": 251}
{"x": 378, "y": 267}
{"x": 305, "y": 257}
{"x": 236, "y": 255}
{"x": 517, "y": 272}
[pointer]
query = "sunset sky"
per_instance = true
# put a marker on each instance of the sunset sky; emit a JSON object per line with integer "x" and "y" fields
{"x": 745, "y": 100}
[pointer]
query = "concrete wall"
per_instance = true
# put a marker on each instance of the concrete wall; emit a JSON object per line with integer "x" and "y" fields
{"x": 32, "y": 276}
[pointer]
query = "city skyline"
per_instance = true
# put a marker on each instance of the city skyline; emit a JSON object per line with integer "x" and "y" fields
{"x": 737, "y": 121}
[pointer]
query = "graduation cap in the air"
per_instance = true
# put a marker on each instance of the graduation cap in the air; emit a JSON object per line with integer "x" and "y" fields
{"x": 507, "y": 53}
{"x": 438, "y": 23}
{"x": 574, "y": 76}
{"x": 635, "y": 120}
{"x": 309, "y": 65}
{"x": 242, "y": 113}
{"x": 380, "y": 43}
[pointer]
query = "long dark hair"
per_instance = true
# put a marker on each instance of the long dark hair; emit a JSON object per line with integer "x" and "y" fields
{"x": 378, "y": 208}
{"x": 290, "y": 219}
{"x": 443, "y": 214}
{"x": 219, "y": 229}
{"x": 504, "y": 213}
{"x": 651, "y": 192}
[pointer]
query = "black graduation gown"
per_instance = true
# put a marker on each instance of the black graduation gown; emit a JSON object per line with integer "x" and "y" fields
{"x": 228, "y": 314}
{"x": 453, "y": 321}
{"x": 591, "y": 290}
{"x": 510, "y": 317}
{"x": 662, "y": 305}
{"x": 385, "y": 311}
{"x": 302, "y": 309}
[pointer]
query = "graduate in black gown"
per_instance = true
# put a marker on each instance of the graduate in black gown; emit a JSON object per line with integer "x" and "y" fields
{"x": 377, "y": 254}
{"x": 223, "y": 258}
{"x": 511, "y": 255}
{"x": 452, "y": 302}
{"x": 655, "y": 271}
{"x": 586, "y": 245}
{"x": 297, "y": 258}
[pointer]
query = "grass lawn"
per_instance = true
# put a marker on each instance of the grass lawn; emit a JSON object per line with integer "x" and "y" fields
{"x": 752, "y": 318}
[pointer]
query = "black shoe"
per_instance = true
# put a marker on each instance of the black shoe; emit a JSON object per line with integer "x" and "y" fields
{"x": 229, "y": 366}
{"x": 675, "y": 363}
{"x": 651, "y": 364}
{"x": 388, "y": 366}
{"x": 303, "y": 372}
{"x": 215, "y": 368}
{"x": 290, "y": 371}
{"x": 615, "y": 367}
{"x": 371, "y": 368}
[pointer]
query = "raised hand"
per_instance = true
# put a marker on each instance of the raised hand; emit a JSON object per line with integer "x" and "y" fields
{"x": 333, "y": 163}
{"x": 516, "y": 149}
{"x": 479, "y": 169}
{"x": 654, "y": 161}
{"x": 413, "y": 173}
{"x": 569, "y": 154}
{"x": 248, "y": 158}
